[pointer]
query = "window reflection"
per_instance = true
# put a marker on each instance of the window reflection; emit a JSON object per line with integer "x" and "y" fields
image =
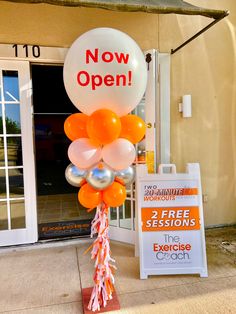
{"x": 134, "y": 214}
{"x": 127, "y": 209}
{"x": 121, "y": 210}
{"x": 1, "y": 125}
{"x": 141, "y": 151}
{"x": 2, "y": 184}
{"x": 16, "y": 183}
{"x": 12, "y": 112}
{"x": 125, "y": 215}
{"x": 141, "y": 146}
{"x": 11, "y": 85}
{"x": 2, "y": 158}
{"x": 14, "y": 151}
{"x": 113, "y": 216}
{"x": 3, "y": 216}
{"x": 141, "y": 111}
{"x": 17, "y": 214}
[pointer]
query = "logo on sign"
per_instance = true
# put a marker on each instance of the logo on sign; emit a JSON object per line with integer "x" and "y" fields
{"x": 172, "y": 249}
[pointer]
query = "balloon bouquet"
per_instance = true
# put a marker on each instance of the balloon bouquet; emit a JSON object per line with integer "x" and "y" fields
{"x": 105, "y": 77}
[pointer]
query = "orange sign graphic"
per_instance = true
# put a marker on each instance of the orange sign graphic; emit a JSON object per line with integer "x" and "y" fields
{"x": 170, "y": 218}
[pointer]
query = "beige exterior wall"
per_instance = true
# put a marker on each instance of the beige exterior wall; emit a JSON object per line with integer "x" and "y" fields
{"x": 50, "y": 25}
{"x": 205, "y": 69}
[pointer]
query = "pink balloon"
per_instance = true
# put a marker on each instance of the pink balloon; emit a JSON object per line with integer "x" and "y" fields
{"x": 119, "y": 154}
{"x": 83, "y": 153}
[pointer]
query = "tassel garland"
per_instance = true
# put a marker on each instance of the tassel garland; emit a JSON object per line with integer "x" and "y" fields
{"x": 103, "y": 275}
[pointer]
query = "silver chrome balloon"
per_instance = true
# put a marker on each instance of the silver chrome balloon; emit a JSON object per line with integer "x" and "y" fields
{"x": 74, "y": 175}
{"x": 126, "y": 176}
{"x": 100, "y": 177}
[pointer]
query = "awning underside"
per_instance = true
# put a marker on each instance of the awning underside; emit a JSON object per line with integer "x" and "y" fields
{"x": 149, "y": 6}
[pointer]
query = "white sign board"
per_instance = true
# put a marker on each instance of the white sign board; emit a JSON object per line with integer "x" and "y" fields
{"x": 170, "y": 222}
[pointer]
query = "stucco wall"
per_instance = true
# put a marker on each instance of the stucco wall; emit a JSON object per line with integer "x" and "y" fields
{"x": 50, "y": 25}
{"x": 205, "y": 68}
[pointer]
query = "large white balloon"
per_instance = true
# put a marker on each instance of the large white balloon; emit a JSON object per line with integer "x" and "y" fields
{"x": 105, "y": 69}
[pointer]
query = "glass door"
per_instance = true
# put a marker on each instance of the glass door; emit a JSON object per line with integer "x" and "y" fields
{"x": 59, "y": 211}
{"x": 18, "y": 223}
{"x": 122, "y": 219}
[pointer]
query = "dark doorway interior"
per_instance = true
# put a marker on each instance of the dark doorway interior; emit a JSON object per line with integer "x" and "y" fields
{"x": 59, "y": 212}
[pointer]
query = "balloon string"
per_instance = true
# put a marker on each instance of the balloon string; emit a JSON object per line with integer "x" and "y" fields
{"x": 90, "y": 209}
{"x": 103, "y": 275}
{"x": 88, "y": 249}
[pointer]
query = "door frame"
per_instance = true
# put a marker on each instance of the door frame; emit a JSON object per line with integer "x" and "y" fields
{"x": 29, "y": 234}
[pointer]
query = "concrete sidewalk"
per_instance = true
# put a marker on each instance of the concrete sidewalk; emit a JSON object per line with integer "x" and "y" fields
{"x": 49, "y": 280}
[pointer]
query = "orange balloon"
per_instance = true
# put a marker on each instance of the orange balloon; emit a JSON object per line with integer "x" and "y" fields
{"x": 89, "y": 197}
{"x": 132, "y": 128}
{"x": 114, "y": 195}
{"x": 75, "y": 126}
{"x": 103, "y": 126}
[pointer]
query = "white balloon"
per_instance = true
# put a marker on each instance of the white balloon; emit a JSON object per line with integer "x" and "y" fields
{"x": 83, "y": 153}
{"x": 105, "y": 69}
{"x": 119, "y": 154}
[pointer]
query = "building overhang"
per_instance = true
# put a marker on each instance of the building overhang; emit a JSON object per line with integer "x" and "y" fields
{"x": 147, "y": 6}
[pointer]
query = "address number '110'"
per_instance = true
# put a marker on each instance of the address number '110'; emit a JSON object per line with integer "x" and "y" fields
{"x": 28, "y": 50}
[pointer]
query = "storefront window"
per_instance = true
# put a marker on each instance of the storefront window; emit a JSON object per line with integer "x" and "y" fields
{"x": 141, "y": 111}
{"x": 140, "y": 146}
{"x": 3, "y": 216}
{"x": 3, "y": 193}
{"x": 14, "y": 151}
{"x": 11, "y": 86}
{"x": 125, "y": 215}
{"x": 16, "y": 183}
{"x": 2, "y": 159}
{"x": 12, "y": 118}
{"x": 1, "y": 126}
{"x": 17, "y": 214}
{"x": 113, "y": 216}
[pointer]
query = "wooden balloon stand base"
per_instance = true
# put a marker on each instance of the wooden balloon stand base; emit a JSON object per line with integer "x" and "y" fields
{"x": 112, "y": 305}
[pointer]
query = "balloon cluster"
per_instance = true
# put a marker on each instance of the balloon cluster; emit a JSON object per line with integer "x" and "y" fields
{"x": 101, "y": 154}
{"x": 105, "y": 77}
